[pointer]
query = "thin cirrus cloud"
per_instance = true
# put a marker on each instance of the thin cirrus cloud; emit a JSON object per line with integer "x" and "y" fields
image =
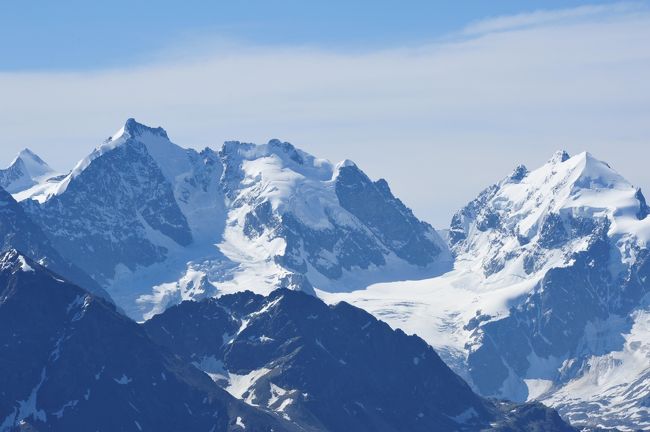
{"x": 440, "y": 120}
{"x": 545, "y": 17}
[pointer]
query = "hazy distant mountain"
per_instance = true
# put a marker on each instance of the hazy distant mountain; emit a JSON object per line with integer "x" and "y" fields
{"x": 26, "y": 170}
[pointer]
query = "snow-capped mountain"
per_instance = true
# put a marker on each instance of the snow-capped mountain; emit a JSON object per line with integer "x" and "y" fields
{"x": 539, "y": 290}
{"x": 71, "y": 362}
{"x": 333, "y": 368}
{"x": 156, "y": 224}
{"x": 26, "y": 171}
{"x": 548, "y": 298}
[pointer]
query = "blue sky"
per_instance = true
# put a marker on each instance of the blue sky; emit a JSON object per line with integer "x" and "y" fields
{"x": 440, "y": 98}
{"x": 72, "y": 35}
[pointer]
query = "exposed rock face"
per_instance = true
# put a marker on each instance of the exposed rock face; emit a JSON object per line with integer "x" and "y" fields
{"x": 18, "y": 231}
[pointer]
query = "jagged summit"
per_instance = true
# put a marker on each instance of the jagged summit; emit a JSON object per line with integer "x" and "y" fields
{"x": 133, "y": 134}
{"x": 133, "y": 129}
{"x": 26, "y": 170}
{"x": 13, "y": 261}
{"x": 574, "y": 187}
{"x": 519, "y": 173}
{"x": 559, "y": 157}
{"x": 30, "y": 159}
{"x": 345, "y": 163}
{"x": 236, "y": 152}
{"x": 582, "y": 169}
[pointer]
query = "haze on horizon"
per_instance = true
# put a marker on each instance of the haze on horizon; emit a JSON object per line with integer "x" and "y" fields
{"x": 441, "y": 108}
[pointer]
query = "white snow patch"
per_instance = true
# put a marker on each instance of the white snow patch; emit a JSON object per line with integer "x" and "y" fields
{"x": 71, "y": 404}
{"x": 276, "y": 393}
{"x": 23, "y": 264}
{"x": 537, "y": 387}
{"x": 285, "y": 403}
{"x": 123, "y": 380}
{"x": 465, "y": 416}
{"x": 26, "y": 408}
{"x": 214, "y": 368}
{"x": 241, "y": 385}
{"x": 612, "y": 387}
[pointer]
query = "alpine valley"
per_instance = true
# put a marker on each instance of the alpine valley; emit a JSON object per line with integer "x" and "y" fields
{"x": 256, "y": 287}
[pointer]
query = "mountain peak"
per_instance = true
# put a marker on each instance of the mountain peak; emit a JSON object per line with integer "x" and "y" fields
{"x": 8, "y": 256}
{"x": 594, "y": 174}
{"x": 13, "y": 260}
{"x": 25, "y": 171}
{"x": 345, "y": 163}
{"x": 287, "y": 154}
{"x": 559, "y": 157}
{"x": 32, "y": 163}
{"x": 519, "y": 173}
{"x": 274, "y": 146}
{"x": 133, "y": 129}
{"x": 27, "y": 153}
{"x": 564, "y": 191}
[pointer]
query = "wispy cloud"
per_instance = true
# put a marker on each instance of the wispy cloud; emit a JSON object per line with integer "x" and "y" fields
{"x": 549, "y": 17}
{"x": 463, "y": 111}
